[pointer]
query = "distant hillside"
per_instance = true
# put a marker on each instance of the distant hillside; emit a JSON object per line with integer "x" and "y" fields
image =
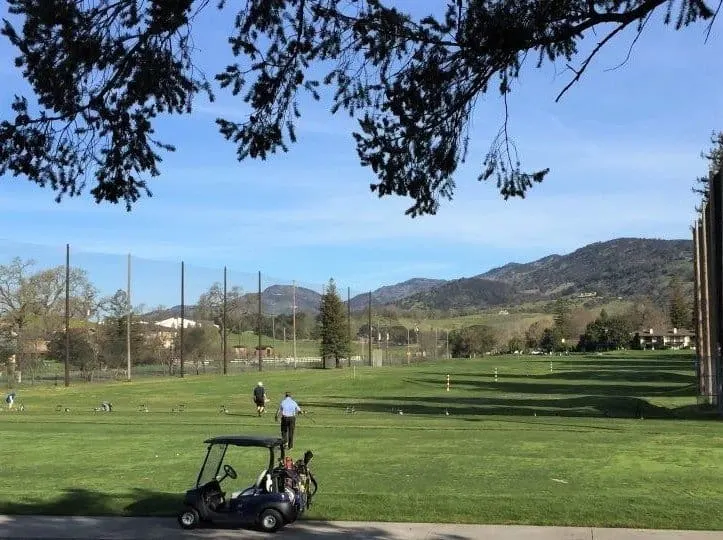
{"x": 391, "y": 293}
{"x": 278, "y": 299}
{"x": 621, "y": 267}
{"x": 624, "y": 267}
{"x": 275, "y": 300}
{"x": 168, "y": 313}
{"x": 462, "y": 293}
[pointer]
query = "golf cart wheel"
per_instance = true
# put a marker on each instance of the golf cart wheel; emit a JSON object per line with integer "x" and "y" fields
{"x": 270, "y": 520}
{"x": 189, "y": 518}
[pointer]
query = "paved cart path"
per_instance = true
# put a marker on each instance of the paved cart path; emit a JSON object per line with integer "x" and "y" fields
{"x": 126, "y": 528}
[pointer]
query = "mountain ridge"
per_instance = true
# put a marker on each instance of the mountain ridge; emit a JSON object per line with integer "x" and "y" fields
{"x": 622, "y": 267}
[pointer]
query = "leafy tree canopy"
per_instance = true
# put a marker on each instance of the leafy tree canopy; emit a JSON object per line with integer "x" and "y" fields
{"x": 102, "y": 70}
{"x": 472, "y": 340}
{"x": 714, "y": 157}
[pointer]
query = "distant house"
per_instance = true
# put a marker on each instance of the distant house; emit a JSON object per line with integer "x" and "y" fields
{"x": 676, "y": 338}
{"x": 175, "y": 322}
{"x": 162, "y": 333}
{"x": 241, "y": 351}
{"x": 266, "y": 351}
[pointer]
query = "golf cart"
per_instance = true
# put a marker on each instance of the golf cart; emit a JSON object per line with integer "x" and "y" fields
{"x": 279, "y": 496}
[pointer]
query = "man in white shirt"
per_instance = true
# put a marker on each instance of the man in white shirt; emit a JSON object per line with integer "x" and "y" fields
{"x": 288, "y": 409}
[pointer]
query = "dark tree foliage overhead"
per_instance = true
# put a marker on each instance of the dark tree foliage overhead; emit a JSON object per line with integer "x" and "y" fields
{"x": 102, "y": 70}
{"x": 714, "y": 156}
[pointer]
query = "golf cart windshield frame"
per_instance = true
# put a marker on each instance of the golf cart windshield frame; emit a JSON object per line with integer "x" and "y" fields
{"x": 214, "y": 458}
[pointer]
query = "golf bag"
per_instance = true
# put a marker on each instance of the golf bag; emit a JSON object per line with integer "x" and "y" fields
{"x": 106, "y": 406}
{"x": 296, "y": 479}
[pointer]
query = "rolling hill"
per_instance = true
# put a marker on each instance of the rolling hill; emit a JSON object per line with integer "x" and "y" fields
{"x": 621, "y": 267}
{"x": 275, "y": 300}
{"x": 391, "y": 293}
{"x": 624, "y": 267}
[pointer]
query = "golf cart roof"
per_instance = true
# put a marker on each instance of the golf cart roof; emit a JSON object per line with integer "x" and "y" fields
{"x": 246, "y": 440}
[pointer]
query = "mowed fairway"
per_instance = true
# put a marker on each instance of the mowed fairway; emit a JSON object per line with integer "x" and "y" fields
{"x": 565, "y": 447}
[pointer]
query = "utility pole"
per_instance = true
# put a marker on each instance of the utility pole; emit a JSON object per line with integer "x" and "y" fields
{"x": 183, "y": 312}
{"x": 259, "y": 321}
{"x": 370, "y": 328}
{"x": 293, "y": 315}
{"x": 67, "y": 314}
{"x": 128, "y": 321}
{"x": 697, "y": 306}
{"x": 436, "y": 344}
{"x": 348, "y": 319}
{"x": 225, "y": 345}
{"x": 706, "y": 346}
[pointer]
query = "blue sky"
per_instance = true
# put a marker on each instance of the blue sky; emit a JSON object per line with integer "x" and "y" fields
{"x": 623, "y": 147}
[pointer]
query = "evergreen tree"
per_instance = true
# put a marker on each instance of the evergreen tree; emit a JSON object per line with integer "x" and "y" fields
{"x": 472, "y": 341}
{"x": 334, "y": 331}
{"x": 714, "y": 156}
{"x": 551, "y": 340}
{"x": 83, "y": 353}
{"x": 112, "y": 335}
{"x": 562, "y": 318}
{"x": 678, "y": 307}
{"x": 606, "y": 333}
{"x": 102, "y": 74}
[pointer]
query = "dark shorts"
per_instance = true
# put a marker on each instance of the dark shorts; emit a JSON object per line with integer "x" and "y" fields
{"x": 259, "y": 402}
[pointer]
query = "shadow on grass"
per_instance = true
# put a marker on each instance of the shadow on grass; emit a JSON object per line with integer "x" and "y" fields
{"x": 553, "y": 385}
{"x": 86, "y": 502}
{"x": 609, "y": 385}
{"x": 582, "y": 373}
{"x": 576, "y": 407}
{"x": 603, "y": 391}
{"x": 81, "y": 513}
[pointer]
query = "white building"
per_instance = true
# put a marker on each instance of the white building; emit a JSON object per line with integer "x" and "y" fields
{"x": 175, "y": 322}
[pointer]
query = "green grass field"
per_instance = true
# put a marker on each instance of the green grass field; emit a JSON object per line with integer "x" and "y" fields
{"x": 564, "y": 447}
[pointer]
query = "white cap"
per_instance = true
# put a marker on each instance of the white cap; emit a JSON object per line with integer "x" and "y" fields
{"x": 260, "y": 383}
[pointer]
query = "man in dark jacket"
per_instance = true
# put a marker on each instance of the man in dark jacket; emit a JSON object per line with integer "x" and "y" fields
{"x": 260, "y": 398}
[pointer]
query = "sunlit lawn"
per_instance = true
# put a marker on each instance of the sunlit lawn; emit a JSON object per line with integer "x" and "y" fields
{"x": 564, "y": 447}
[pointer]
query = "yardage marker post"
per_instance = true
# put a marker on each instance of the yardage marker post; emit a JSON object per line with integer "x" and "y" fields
{"x": 447, "y": 383}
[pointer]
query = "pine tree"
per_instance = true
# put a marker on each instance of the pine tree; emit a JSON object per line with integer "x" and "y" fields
{"x": 334, "y": 332}
{"x": 679, "y": 308}
{"x": 714, "y": 156}
{"x": 100, "y": 76}
{"x": 562, "y": 318}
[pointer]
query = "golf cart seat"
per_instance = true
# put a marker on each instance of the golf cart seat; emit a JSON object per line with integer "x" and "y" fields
{"x": 263, "y": 483}
{"x": 213, "y": 495}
